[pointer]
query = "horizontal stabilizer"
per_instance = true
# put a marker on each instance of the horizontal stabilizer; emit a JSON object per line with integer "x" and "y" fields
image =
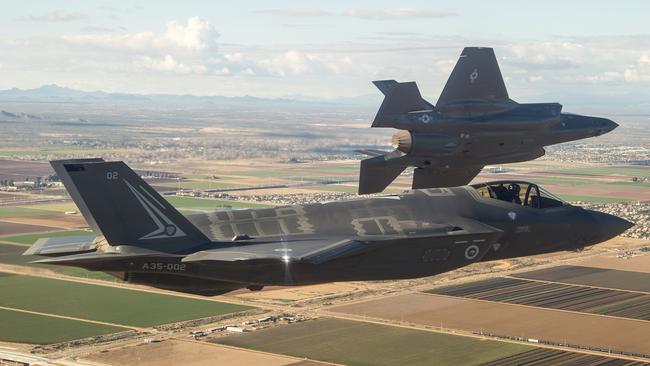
{"x": 384, "y": 86}
{"x": 62, "y": 245}
{"x": 444, "y": 177}
{"x": 400, "y": 98}
{"x": 123, "y": 253}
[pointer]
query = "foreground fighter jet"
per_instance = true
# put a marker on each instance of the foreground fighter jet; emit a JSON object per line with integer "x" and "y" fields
{"x": 473, "y": 124}
{"x": 140, "y": 238}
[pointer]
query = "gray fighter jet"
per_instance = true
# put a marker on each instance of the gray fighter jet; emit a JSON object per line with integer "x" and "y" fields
{"x": 140, "y": 238}
{"x": 473, "y": 124}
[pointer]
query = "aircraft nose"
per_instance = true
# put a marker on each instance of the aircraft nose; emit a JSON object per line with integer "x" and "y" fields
{"x": 603, "y": 125}
{"x": 610, "y": 225}
{"x": 609, "y": 125}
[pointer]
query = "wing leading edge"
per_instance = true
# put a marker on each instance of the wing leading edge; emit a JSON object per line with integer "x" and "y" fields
{"x": 318, "y": 251}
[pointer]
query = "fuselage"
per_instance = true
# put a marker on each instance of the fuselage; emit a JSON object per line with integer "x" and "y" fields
{"x": 478, "y": 133}
{"x": 525, "y": 229}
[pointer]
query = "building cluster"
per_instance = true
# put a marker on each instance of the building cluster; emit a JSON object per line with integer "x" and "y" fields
{"x": 592, "y": 152}
{"x": 250, "y": 325}
{"x": 636, "y": 212}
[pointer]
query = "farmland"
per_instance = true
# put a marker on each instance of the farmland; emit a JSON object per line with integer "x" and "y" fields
{"x": 599, "y": 277}
{"x": 508, "y": 320}
{"x": 40, "y": 329}
{"x": 106, "y": 304}
{"x": 187, "y": 353}
{"x": 550, "y": 357}
{"x": 555, "y": 296}
{"x": 359, "y": 343}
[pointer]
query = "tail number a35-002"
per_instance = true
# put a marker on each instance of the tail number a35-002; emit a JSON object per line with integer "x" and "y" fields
{"x": 160, "y": 266}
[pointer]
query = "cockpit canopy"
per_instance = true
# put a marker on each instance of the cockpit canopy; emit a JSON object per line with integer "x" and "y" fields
{"x": 518, "y": 192}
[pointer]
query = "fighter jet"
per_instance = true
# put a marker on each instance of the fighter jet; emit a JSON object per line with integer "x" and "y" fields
{"x": 473, "y": 124}
{"x": 139, "y": 237}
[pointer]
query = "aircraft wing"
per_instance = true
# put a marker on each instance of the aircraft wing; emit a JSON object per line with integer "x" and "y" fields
{"x": 62, "y": 245}
{"x": 317, "y": 251}
{"x": 314, "y": 251}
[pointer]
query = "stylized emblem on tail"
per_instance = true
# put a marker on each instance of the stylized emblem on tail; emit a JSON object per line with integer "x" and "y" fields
{"x": 166, "y": 228}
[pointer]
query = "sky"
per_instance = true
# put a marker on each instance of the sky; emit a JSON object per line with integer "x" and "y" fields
{"x": 322, "y": 49}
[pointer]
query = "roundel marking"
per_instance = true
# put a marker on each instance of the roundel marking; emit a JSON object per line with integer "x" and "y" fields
{"x": 170, "y": 230}
{"x": 472, "y": 251}
{"x": 473, "y": 76}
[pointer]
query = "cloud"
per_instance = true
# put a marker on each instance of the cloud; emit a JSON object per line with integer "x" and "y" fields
{"x": 197, "y": 35}
{"x": 401, "y": 13}
{"x": 369, "y": 14}
{"x": 55, "y": 16}
{"x": 296, "y": 62}
{"x": 296, "y": 13}
{"x": 639, "y": 71}
{"x": 546, "y": 55}
{"x": 167, "y": 64}
{"x": 97, "y": 29}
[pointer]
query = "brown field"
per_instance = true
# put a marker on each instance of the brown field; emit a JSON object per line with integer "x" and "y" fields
{"x": 11, "y": 228}
{"x": 180, "y": 352}
{"x": 506, "y": 319}
{"x": 20, "y": 169}
{"x": 602, "y": 190}
{"x": 639, "y": 263}
{"x": 60, "y": 221}
{"x": 6, "y": 196}
{"x": 278, "y": 294}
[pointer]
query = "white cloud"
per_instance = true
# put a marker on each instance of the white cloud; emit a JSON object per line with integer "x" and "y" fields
{"x": 296, "y": 62}
{"x": 371, "y": 14}
{"x": 184, "y": 56}
{"x": 298, "y": 13}
{"x": 197, "y": 35}
{"x": 401, "y": 13}
{"x": 606, "y": 76}
{"x": 55, "y": 16}
{"x": 167, "y": 64}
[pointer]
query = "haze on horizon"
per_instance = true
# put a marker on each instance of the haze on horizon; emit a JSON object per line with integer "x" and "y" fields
{"x": 330, "y": 49}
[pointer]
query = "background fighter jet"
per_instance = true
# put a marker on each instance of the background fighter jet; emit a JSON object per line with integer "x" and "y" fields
{"x": 473, "y": 124}
{"x": 141, "y": 238}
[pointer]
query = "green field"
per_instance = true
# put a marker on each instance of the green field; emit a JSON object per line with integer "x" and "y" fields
{"x": 207, "y": 204}
{"x": 200, "y": 185}
{"x": 39, "y": 329}
{"x": 31, "y": 238}
{"x": 102, "y": 303}
{"x": 12, "y": 254}
{"x": 22, "y": 211}
{"x": 594, "y": 199}
{"x": 359, "y": 343}
{"x": 59, "y": 207}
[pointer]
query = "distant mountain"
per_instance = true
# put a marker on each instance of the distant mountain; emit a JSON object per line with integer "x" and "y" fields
{"x": 55, "y": 93}
{"x": 6, "y": 115}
